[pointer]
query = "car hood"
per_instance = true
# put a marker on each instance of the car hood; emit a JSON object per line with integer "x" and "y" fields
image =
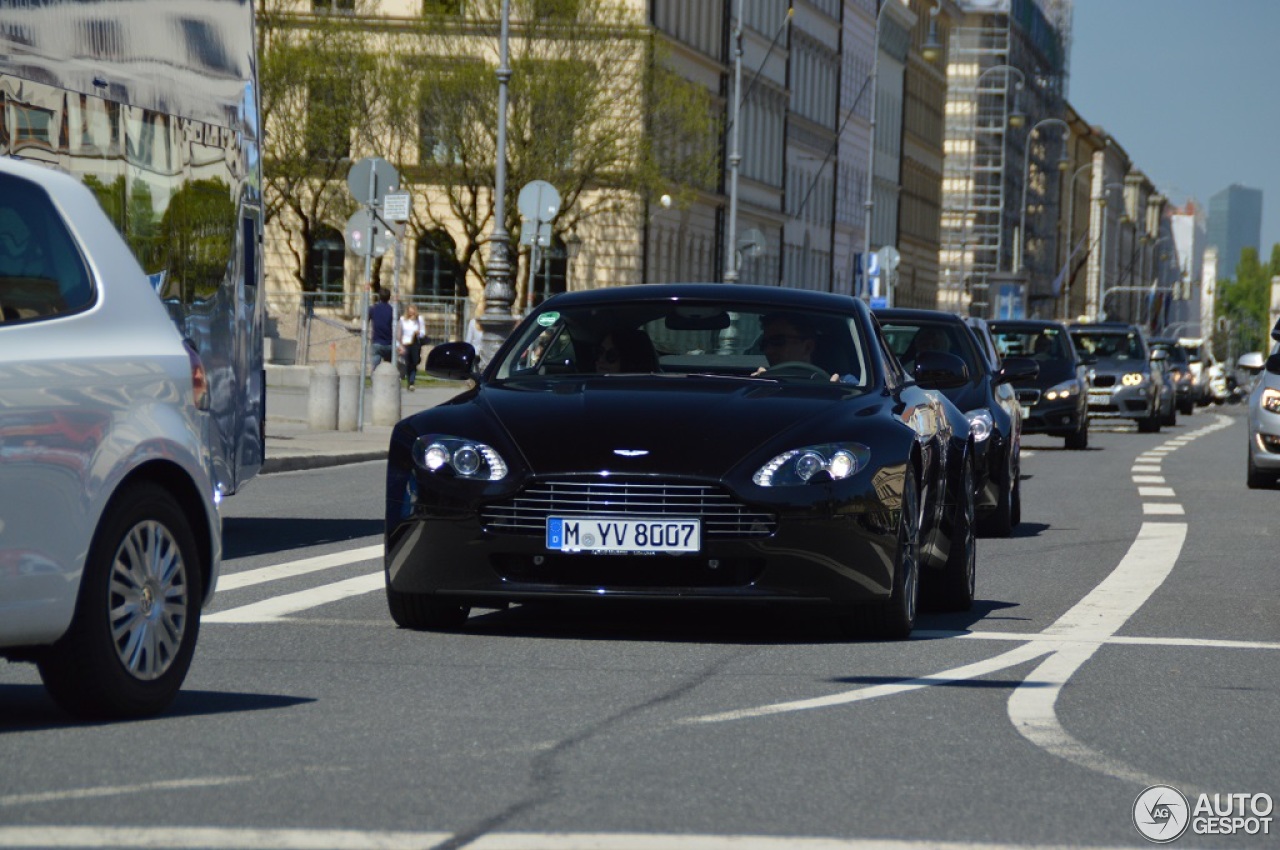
{"x": 691, "y": 425}
{"x": 1052, "y": 373}
{"x": 1111, "y": 366}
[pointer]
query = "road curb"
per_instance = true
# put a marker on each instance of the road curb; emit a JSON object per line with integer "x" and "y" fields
{"x": 294, "y": 463}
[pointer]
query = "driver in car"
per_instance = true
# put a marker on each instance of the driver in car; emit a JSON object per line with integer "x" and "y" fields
{"x": 788, "y": 338}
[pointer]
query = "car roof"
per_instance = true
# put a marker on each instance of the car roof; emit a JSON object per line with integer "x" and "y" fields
{"x": 1029, "y": 324}
{"x": 909, "y": 314}
{"x": 766, "y": 296}
{"x": 1103, "y": 326}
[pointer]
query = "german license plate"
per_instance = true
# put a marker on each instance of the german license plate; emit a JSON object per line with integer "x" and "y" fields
{"x": 1099, "y": 396}
{"x": 611, "y": 534}
{"x": 1026, "y": 411}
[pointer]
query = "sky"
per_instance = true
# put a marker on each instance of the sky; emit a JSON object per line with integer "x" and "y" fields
{"x": 1190, "y": 89}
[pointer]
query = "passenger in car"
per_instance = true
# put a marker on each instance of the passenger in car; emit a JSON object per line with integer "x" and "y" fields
{"x": 626, "y": 350}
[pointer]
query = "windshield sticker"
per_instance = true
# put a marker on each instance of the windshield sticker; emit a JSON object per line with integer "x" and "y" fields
{"x": 546, "y": 320}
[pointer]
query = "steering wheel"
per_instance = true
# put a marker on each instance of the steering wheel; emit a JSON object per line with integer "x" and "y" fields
{"x": 796, "y": 369}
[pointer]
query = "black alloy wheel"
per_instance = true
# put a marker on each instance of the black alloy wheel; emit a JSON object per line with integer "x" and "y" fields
{"x": 895, "y": 618}
{"x": 425, "y": 611}
{"x": 953, "y": 588}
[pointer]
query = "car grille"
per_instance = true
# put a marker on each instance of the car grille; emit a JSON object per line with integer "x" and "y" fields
{"x": 1028, "y": 396}
{"x": 722, "y": 515}
{"x": 1103, "y": 381}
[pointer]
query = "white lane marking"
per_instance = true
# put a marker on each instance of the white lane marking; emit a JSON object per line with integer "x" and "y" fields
{"x": 1094, "y": 619}
{"x": 272, "y": 609}
{"x": 244, "y": 838}
{"x": 1139, "y": 467}
{"x": 1040, "y": 637}
{"x": 247, "y": 578}
{"x": 1148, "y": 479}
{"x": 116, "y": 790}
{"x": 1162, "y": 509}
{"x": 203, "y": 837}
{"x": 1156, "y": 492}
{"x": 1010, "y": 658}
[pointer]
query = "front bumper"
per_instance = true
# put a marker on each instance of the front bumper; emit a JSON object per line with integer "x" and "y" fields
{"x": 1264, "y": 439}
{"x": 1121, "y": 402}
{"x": 1060, "y": 416}
{"x": 818, "y": 549}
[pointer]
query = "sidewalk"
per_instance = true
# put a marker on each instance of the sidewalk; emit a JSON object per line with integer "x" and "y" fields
{"x": 293, "y": 445}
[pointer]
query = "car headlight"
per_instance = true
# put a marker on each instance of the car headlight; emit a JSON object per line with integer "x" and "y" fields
{"x": 440, "y": 454}
{"x": 829, "y": 462}
{"x": 1270, "y": 400}
{"x": 1067, "y": 389}
{"x": 980, "y": 424}
{"x": 1133, "y": 379}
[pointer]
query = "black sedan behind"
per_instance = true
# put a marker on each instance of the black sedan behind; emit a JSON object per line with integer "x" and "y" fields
{"x": 685, "y": 442}
{"x": 985, "y": 398}
{"x": 1056, "y": 400}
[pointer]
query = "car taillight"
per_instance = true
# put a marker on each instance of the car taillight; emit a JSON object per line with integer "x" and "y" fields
{"x": 199, "y": 380}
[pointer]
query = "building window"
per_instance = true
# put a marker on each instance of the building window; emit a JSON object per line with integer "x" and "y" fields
{"x": 435, "y": 8}
{"x": 333, "y": 5}
{"x": 325, "y": 257}
{"x": 435, "y": 268}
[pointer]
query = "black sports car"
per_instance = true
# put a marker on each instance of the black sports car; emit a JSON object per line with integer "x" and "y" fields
{"x": 986, "y": 399}
{"x": 1055, "y": 402}
{"x": 685, "y": 441}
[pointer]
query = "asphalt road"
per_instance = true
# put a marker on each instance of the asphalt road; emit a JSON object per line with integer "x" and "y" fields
{"x": 1128, "y": 635}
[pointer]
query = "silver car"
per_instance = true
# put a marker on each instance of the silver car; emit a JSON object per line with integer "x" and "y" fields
{"x": 1264, "y": 416}
{"x": 110, "y": 537}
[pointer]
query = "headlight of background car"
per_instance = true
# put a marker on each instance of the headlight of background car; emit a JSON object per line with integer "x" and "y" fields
{"x": 1133, "y": 379}
{"x": 829, "y": 462}
{"x": 980, "y": 424}
{"x": 1270, "y": 400}
{"x": 1066, "y": 389}
{"x": 440, "y": 454}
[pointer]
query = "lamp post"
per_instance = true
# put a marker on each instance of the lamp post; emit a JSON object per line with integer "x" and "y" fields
{"x": 1103, "y": 289}
{"x": 496, "y": 321}
{"x": 1015, "y": 119}
{"x": 1070, "y": 247}
{"x": 735, "y": 155}
{"x": 1063, "y": 165}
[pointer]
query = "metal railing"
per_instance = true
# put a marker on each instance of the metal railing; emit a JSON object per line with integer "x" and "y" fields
{"x": 323, "y": 327}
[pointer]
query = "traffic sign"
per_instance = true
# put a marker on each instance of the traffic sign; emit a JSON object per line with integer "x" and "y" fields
{"x": 543, "y": 230}
{"x": 395, "y": 206}
{"x": 371, "y": 178}
{"x": 538, "y": 201}
{"x": 367, "y": 237}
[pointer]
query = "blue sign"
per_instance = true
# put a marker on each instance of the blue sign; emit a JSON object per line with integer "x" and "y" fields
{"x": 879, "y": 302}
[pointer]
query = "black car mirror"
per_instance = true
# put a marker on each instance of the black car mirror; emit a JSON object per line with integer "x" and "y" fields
{"x": 1158, "y": 355}
{"x": 936, "y": 370}
{"x": 1017, "y": 369}
{"x": 692, "y": 318}
{"x": 453, "y": 361}
{"x": 1273, "y": 363}
{"x": 1275, "y": 331}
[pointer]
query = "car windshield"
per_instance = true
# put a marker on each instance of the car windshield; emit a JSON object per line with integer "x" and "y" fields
{"x": 1037, "y": 343}
{"x": 908, "y": 338}
{"x": 1110, "y": 345}
{"x": 702, "y": 337}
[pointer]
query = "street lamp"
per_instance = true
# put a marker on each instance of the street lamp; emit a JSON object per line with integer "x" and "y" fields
{"x": 1070, "y": 246}
{"x": 1063, "y": 165}
{"x": 735, "y": 154}
{"x": 497, "y": 320}
{"x": 1103, "y": 289}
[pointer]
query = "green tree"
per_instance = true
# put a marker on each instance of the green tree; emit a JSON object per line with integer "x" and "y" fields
{"x": 315, "y": 73}
{"x": 1245, "y": 302}
{"x": 593, "y": 109}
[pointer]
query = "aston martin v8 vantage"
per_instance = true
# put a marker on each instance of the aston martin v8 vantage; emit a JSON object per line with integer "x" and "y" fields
{"x": 686, "y": 441}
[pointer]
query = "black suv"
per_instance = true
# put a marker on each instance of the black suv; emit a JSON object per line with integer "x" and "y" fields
{"x": 1056, "y": 401}
{"x": 1126, "y": 380}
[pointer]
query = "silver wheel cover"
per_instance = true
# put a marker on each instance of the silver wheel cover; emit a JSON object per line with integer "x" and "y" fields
{"x": 147, "y": 600}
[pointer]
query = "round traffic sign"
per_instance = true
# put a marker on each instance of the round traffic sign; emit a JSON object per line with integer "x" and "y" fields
{"x": 538, "y": 201}
{"x": 371, "y": 178}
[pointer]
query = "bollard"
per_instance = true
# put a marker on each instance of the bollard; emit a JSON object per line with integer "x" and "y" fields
{"x": 386, "y": 394}
{"x": 348, "y": 395}
{"x": 322, "y": 399}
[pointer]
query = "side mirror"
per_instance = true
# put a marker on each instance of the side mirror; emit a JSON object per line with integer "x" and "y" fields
{"x": 453, "y": 361}
{"x": 1251, "y": 362}
{"x": 1159, "y": 355}
{"x": 1275, "y": 332}
{"x": 936, "y": 370}
{"x": 1018, "y": 369}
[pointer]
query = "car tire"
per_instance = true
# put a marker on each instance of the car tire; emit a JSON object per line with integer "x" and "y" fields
{"x": 953, "y": 587}
{"x": 124, "y": 655}
{"x": 1187, "y": 408}
{"x": 1172, "y": 419}
{"x": 1256, "y": 479}
{"x": 1150, "y": 425}
{"x": 895, "y": 618}
{"x": 426, "y": 612}
{"x": 1080, "y": 439}
{"x": 999, "y": 521}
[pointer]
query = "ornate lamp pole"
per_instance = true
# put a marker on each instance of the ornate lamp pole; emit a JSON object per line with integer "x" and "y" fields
{"x": 1063, "y": 165}
{"x": 497, "y": 321}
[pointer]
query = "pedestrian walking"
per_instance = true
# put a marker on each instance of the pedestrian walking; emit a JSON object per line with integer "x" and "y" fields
{"x": 413, "y": 335}
{"x": 382, "y": 325}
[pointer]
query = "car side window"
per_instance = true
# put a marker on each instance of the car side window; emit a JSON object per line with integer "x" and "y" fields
{"x": 42, "y": 273}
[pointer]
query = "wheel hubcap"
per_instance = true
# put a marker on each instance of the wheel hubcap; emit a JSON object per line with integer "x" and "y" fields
{"x": 147, "y": 601}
